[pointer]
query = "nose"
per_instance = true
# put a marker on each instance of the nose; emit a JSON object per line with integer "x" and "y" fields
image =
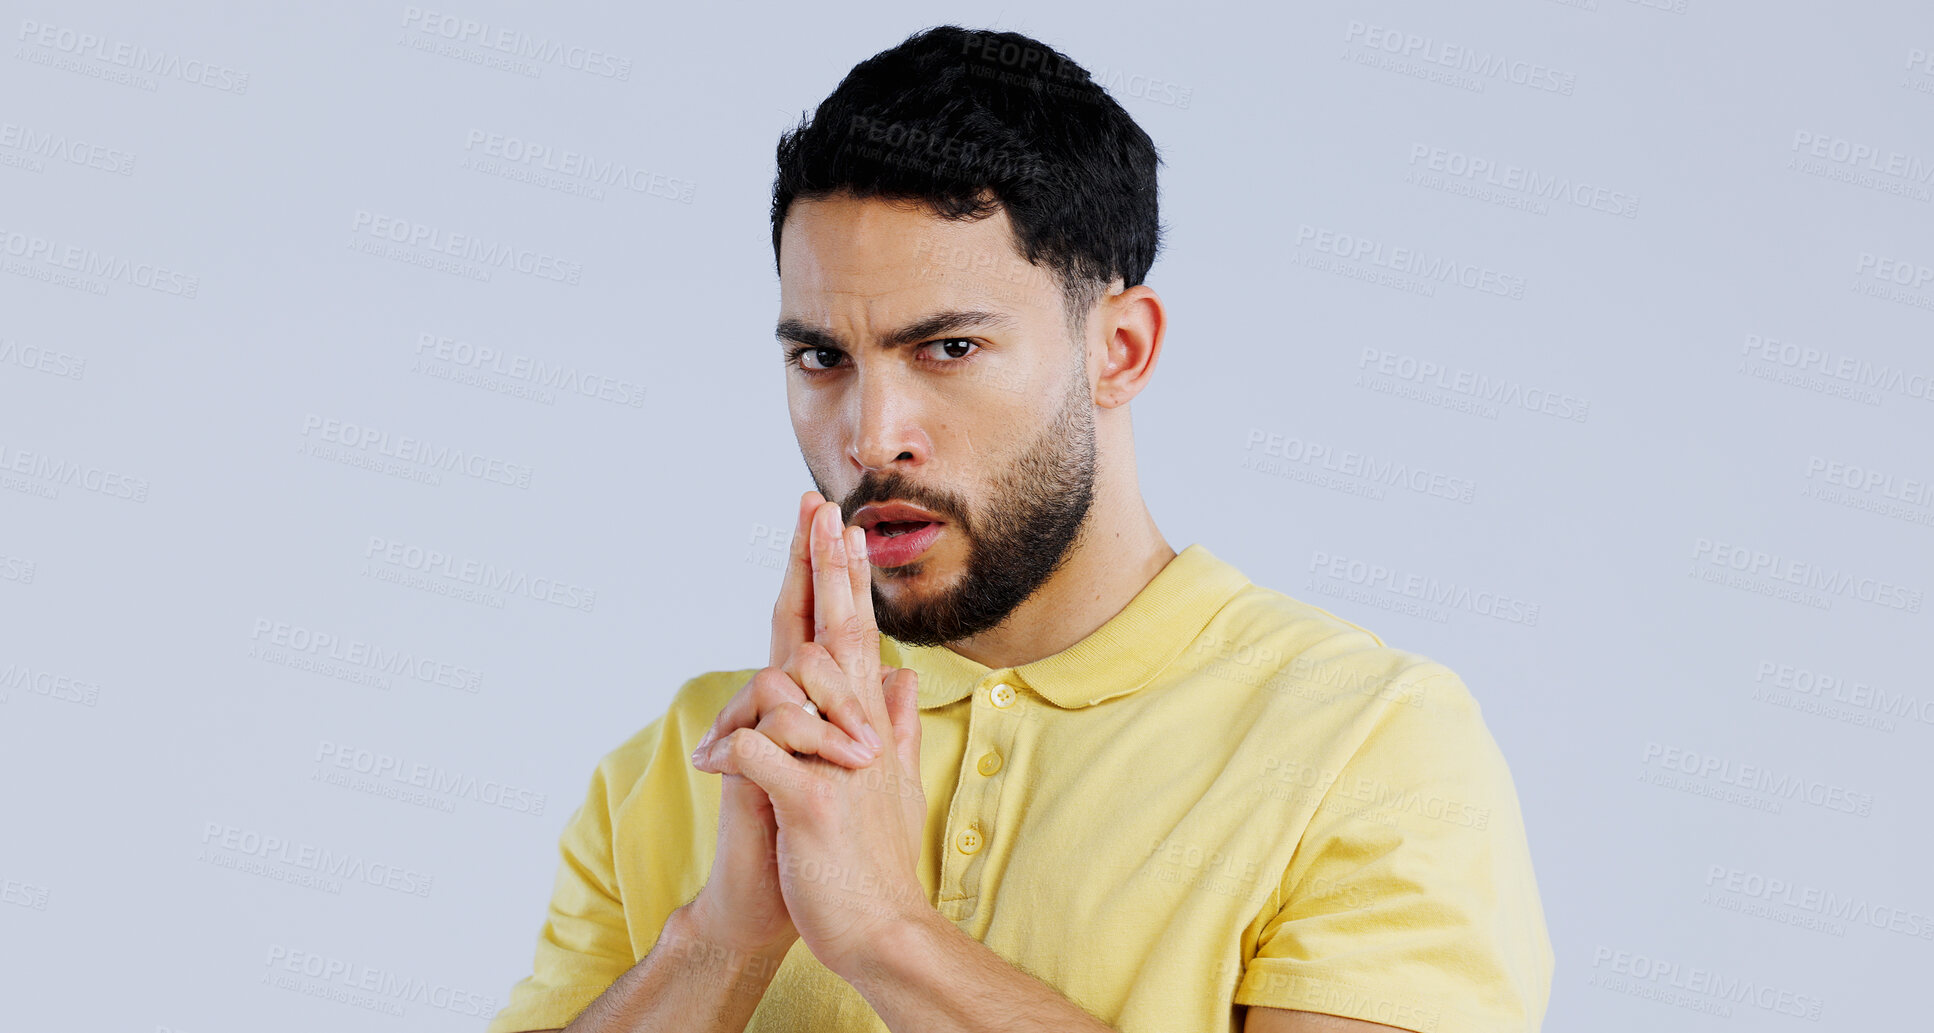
{"x": 886, "y": 428}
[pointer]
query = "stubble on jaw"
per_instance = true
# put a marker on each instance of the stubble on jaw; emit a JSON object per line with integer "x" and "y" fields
{"x": 1014, "y": 550}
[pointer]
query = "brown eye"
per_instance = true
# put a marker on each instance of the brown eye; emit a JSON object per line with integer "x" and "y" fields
{"x": 798, "y": 355}
{"x": 951, "y": 346}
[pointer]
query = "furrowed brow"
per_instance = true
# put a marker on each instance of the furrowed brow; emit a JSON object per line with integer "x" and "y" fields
{"x": 798, "y": 331}
{"x": 937, "y": 325}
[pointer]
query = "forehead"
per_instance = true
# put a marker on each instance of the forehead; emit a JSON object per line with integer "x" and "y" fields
{"x": 844, "y": 258}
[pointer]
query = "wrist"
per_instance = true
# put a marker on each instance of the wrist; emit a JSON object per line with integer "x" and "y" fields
{"x": 700, "y": 924}
{"x": 899, "y": 952}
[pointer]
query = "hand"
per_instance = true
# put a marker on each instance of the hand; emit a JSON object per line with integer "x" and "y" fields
{"x": 776, "y": 692}
{"x": 848, "y": 840}
{"x": 741, "y": 906}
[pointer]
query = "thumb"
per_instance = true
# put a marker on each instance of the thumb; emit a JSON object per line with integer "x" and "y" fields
{"x": 903, "y": 709}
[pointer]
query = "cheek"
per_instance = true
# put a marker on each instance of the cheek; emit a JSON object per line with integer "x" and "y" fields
{"x": 989, "y": 439}
{"x": 813, "y": 424}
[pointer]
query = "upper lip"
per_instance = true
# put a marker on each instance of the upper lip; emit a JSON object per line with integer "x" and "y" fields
{"x": 892, "y": 512}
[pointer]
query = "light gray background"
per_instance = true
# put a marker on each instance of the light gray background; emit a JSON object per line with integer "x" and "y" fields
{"x": 1717, "y": 358}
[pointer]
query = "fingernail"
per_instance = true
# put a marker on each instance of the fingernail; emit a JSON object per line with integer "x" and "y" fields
{"x": 871, "y": 737}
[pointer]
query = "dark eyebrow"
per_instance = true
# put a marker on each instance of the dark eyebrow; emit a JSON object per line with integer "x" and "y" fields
{"x": 937, "y": 325}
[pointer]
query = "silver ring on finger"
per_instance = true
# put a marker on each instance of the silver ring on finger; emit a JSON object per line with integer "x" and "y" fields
{"x": 810, "y": 707}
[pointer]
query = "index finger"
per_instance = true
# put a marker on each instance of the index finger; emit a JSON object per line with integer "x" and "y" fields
{"x": 834, "y": 619}
{"x": 862, "y": 577}
{"x": 792, "y": 615}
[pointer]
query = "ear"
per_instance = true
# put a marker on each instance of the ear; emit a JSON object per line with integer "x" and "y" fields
{"x": 903, "y": 708}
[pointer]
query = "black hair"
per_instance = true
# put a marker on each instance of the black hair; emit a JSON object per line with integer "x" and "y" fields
{"x": 967, "y": 121}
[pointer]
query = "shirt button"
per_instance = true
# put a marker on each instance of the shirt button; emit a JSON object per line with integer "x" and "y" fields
{"x": 968, "y": 841}
{"x": 989, "y": 763}
{"x": 1003, "y": 695}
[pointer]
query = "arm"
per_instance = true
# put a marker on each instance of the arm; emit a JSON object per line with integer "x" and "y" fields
{"x": 686, "y": 982}
{"x": 1283, "y": 1020}
{"x": 936, "y": 979}
{"x": 929, "y": 977}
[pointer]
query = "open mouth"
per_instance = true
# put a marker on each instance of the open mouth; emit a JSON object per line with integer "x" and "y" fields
{"x": 894, "y": 543}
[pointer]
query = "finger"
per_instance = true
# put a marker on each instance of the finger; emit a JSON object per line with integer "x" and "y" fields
{"x": 799, "y": 732}
{"x": 788, "y": 724}
{"x": 833, "y": 616}
{"x": 748, "y": 752}
{"x": 903, "y": 706}
{"x": 768, "y": 687}
{"x": 814, "y": 670}
{"x": 861, "y": 569}
{"x": 792, "y": 615}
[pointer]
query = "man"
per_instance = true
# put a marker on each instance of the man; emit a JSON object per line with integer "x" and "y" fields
{"x": 1016, "y": 764}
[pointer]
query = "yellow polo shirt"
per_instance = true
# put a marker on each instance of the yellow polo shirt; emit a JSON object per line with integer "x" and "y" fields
{"x": 1224, "y": 796}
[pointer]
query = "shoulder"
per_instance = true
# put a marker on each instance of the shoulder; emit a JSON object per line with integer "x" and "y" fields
{"x": 1276, "y": 640}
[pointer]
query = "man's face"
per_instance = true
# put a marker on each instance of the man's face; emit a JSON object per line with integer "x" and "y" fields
{"x": 935, "y": 367}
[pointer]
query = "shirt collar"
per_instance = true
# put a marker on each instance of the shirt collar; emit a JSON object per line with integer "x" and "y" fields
{"x": 1119, "y": 657}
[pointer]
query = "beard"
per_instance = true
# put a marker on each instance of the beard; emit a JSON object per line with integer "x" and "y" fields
{"x": 1036, "y": 514}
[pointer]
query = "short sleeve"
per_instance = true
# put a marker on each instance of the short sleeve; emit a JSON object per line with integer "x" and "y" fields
{"x": 1410, "y": 899}
{"x": 584, "y": 945}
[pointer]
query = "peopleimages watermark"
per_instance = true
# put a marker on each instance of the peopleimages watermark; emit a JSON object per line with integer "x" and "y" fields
{"x": 1331, "y": 791}
{"x": 1424, "y": 588}
{"x": 23, "y": 894}
{"x": 1825, "y": 904}
{"x": 1483, "y": 171}
{"x": 1370, "y": 468}
{"x": 43, "y": 474}
{"x": 42, "y": 360}
{"x": 1492, "y": 392}
{"x": 1409, "y": 264}
{"x": 368, "y": 986}
{"x": 1880, "y": 483}
{"x": 1863, "y": 157}
{"x": 482, "y": 255}
{"x": 131, "y": 58}
{"x": 385, "y": 767}
{"x": 85, "y": 268}
{"x": 1757, "y": 778}
{"x": 517, "y": 43}
{"x": 1810, "y": 366}
{"x": 911, "y": 140}
{"x": 34, "y": 146}
{"x": 1472, "y": 66}
{"x": 293, "y": 861}
{"x": 484, "y": 577}
{"x": 18, "y": 569}
{"x": 489, "y": 368}
{"x": 53, "y": 685}
{"x": 375, "y": 441}
{"x": 573, "y": 166}
{"x": 1828, "y": 688}
{"x": 1769, "y": 573}
{"x": 1694, "y": 987}
{"x": 351, "y": 658}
